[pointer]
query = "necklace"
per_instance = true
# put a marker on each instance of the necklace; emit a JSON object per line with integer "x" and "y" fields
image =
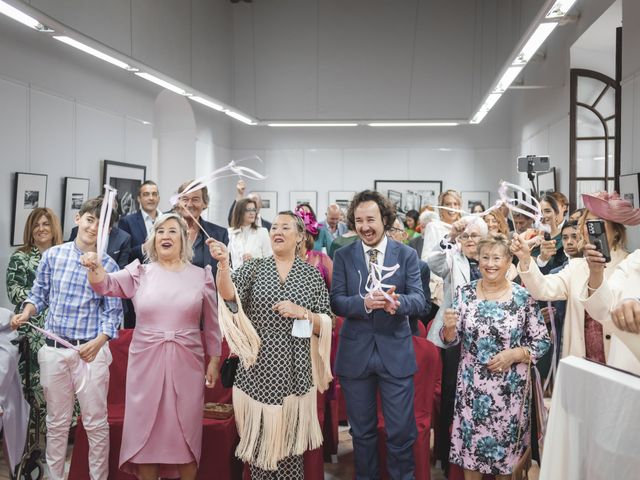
{"x": 496, "y": 294}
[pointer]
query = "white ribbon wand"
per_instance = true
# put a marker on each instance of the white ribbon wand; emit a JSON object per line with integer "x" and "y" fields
{"x": 377, "y": 274}
{"x": 206, "y": 180}
{"x": 104, "y": 220}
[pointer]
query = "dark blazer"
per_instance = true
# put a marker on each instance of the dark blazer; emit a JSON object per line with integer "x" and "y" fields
{"x": 134, "y": 225}
{"x": 417, "y": 244}
{"x": 118, "y": 246}
{"x": 362, "y": 331}
{"x": 201, "y": 254}
{"x": 424, "y": 316}
{"x": 263, "y": 222}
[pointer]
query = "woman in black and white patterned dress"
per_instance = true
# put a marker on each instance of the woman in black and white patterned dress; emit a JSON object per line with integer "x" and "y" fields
{"x": 284, "y": 343}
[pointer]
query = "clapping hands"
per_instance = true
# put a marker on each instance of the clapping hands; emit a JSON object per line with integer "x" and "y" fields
{"x": 376, "y": 300}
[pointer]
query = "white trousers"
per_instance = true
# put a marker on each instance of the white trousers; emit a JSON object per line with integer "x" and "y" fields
{"x": 59, "y": 382}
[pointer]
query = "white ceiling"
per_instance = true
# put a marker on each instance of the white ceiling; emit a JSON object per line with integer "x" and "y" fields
{"x": 601, "y": 35}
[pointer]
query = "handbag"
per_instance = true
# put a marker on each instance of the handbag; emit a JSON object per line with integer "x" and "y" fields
{"x": 228, "y": 371}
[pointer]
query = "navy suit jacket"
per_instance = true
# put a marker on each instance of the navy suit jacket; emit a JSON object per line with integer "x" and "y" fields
{"x": 362, "y": 331}
{"x": 118, "y": 246}
{"x": 134, "y": 225}
{"x": 201, "y": 254}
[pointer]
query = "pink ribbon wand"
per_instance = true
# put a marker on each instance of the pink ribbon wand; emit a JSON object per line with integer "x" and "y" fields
{"x": 83, "y": 369}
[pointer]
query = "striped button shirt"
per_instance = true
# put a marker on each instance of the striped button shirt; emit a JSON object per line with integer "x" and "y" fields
{"x": 75, "y": 310}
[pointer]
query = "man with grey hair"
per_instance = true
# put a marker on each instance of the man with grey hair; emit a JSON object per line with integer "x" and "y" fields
{"x": 332, "y": 222}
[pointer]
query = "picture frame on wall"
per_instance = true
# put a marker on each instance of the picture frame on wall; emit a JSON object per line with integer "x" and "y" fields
{"x": 30, "y": 192}
{"x": 126, "y": 178}
{"x": 341, "y": 198}
{"x": 269, "y": 208}
{"x": 472, "y": 198}
{"x": 546, "y": 182}
{"x": 76, "y": 192}
{"x": 297, "y": 197}
{"x": 630, "y": 188}
{"x": 410, "y": 194}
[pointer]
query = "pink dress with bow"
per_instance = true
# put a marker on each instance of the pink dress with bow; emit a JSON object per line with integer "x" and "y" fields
{"x": 165, "y": 376}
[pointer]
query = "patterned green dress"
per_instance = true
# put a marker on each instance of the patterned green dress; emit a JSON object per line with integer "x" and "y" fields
{"x": 21, "y": 273}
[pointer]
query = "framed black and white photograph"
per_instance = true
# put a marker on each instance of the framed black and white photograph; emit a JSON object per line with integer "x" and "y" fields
{"x": 546, "y": 182}
{"x": 629, "y": 188}
{"x": 126, "y": 178}
{"x": 269, "y": 208}
{"x": 410, "y": 194}
{"x": 76, "y": 192}
{"x": 342, "y": 199}
{"x": 472, "y": 198}
{"x": 298, "y": 197}
{"x": 30, "y": 192}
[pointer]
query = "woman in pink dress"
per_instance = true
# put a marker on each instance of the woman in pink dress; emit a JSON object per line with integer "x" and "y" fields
{"x": 162, "y": 433}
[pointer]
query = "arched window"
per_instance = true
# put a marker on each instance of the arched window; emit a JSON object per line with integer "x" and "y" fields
{"x": 594, "y": 134}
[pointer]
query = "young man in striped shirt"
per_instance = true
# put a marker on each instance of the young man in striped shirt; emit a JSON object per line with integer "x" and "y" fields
{"x": 87, "y": 320}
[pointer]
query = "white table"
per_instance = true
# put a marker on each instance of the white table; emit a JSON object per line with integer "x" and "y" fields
{"x": 594, "y": 424}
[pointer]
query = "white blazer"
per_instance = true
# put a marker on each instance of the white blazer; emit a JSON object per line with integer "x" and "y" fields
{"x": 254, "y": 241}
{"x": 623, "y": 283}
{"x": 568, "y": 285}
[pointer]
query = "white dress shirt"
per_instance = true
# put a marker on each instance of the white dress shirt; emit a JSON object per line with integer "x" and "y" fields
{"x": 148, "y": 221}
{"x": 381, "y": 247}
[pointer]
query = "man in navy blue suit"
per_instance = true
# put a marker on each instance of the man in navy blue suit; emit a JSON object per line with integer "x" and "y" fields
{"x": 139, "y": 224}
{"x": 195, "y": 202}
{"x": 376, "y": 349}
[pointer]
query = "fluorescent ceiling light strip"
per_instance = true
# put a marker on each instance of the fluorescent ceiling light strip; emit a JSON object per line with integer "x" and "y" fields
{"x": 508, "y": 78}
{"x": 533, "y": 44}
{"x": 92, "y": 51}
{"x": 12, "y": 12}
{"x": 207, "y": 103}
{"x": 162, "y": 83}
{"x": 240, "y": 117}
{"x": 312, "y": 124}
{"x": 413, "y": 124}
{"x": 560, "y": 8}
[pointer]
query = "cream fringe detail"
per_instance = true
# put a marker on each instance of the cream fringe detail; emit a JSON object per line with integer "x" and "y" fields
{"x": 242, "y": 338}
{"x": 321, "y": 354}
{"x": 270, "y": 433}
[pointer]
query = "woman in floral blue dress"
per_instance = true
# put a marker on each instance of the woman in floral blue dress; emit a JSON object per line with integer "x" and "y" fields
{"x": 500, "y": 329}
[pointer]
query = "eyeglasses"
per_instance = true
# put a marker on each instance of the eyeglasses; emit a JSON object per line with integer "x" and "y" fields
{"x": 395, "y": 230}
{"x": 251, "y": 210}
{"x": 465, "y": 236}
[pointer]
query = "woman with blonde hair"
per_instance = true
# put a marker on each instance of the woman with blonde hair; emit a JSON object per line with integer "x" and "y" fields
{"x": 500, "y": 330}
{"x": 496, "y": 222}
{"x": 41, "y": 231}
{"x": 162, "y": 433}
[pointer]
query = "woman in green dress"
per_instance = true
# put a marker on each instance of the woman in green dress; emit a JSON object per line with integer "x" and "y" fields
{"x": 41, "y": 231}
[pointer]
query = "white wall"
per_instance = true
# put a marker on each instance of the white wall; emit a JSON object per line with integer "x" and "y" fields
{"x": 63, "y": 112}
{"x": 630, "y": 161}
{"x": 189, "y": 40}
{"x": 350, "y": 159}
{"x": 372, "y": 58}
{"x": 540, "y": 117}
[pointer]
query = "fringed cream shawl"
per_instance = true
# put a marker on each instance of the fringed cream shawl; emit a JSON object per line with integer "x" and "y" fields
{"x": 270, "y": 433}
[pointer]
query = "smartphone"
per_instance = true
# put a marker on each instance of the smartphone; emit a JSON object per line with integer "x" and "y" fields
{"x": 547, "y": 236}
{"x": 598, "y": 237}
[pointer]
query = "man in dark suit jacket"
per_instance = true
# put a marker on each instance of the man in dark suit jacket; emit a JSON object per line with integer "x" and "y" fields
{"x": 376, "y": 347}
{"x": 139, "y": 224}
{"x": 195, "y": 202}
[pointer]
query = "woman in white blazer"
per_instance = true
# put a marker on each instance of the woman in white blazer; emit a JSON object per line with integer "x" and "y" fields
{"x": 569, "y": 284}
{"x": 246, "y": 239}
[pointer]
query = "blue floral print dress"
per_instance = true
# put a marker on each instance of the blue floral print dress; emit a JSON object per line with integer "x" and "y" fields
{"x": 488, "y": 405}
